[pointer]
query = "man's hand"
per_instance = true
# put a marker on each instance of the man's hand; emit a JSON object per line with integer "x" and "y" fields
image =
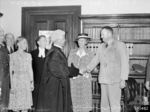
{"x": 122, "y": 84}
{"x": 82, "y": 70}
{"x": 86, "y": 75}
{"x": 147, "y": 85}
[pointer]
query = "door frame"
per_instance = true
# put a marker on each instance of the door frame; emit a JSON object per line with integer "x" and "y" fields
{"x": 29, "y": 12}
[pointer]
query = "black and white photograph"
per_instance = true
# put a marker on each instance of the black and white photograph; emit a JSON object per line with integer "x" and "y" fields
{"x": 74, "y": 55}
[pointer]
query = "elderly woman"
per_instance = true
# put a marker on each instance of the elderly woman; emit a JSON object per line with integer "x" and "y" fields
{"x": 81, "y": 89}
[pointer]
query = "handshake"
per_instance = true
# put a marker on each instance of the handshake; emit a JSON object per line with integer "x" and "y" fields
{"x": 84, "y": 71}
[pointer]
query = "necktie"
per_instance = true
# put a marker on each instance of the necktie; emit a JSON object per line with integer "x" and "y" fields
{"x": 11, "y": 50}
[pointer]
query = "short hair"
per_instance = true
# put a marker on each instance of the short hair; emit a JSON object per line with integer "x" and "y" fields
{"x": 8, "y": 34}
{"x": 39, "y": 37}
{"x": 107, "y": 28}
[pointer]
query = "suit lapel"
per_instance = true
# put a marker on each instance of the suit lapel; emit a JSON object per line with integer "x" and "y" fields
{"x": 46, "y": 51}
{"x": 37, "y": 52}
{"x": 5, "y": 51}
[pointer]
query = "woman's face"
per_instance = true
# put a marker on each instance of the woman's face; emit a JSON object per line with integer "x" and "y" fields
{"x": 22, "y": 44}
{"x": 82, "y": 42}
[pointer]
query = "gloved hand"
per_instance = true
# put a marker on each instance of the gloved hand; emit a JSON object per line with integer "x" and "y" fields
{"x": 74, "y": 71}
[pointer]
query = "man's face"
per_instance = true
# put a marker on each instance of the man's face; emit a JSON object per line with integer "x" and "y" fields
{"x": 10, "y": 41}
{"x": 105, "y": 35}
{"x": 63, "y": 40}
{"x": 42, "y": 42}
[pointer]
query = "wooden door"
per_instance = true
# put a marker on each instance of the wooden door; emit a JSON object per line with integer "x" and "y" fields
{"x": 64, "y": 18}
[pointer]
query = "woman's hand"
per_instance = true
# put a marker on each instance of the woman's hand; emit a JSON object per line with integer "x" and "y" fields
{"x": 32, "y": 85}
{"x": 86, "y": 75}
{"x": 12, "y": 90}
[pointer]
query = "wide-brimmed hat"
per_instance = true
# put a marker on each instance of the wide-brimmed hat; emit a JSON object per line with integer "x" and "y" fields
{"x": 83, "y": 35}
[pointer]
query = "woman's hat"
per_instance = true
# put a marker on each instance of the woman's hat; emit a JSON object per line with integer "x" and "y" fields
{"x": 83, "y": 35}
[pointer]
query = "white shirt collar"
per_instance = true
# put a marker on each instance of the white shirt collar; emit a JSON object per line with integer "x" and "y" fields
{"x": 41, "y": 49}
{"x": 41, "y": 52}
{"x": 9, "y": 48}
{"x": 82, "y": 54}
{"x": 58, "y": 46}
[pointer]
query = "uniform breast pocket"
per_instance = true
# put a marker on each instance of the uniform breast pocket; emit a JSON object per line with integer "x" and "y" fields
{"x": 113, "y": 56}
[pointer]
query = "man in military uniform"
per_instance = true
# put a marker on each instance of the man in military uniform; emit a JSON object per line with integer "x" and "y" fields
{"x": 4, "y": 75}
{"x": 114, "y": 70}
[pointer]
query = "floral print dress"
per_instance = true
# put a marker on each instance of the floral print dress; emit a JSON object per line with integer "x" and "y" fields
{"x": 21, "y": 99}
{"x": 81, "y": 87}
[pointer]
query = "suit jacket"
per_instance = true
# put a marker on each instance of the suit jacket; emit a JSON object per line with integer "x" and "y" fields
{"x": 37, "y": 64}
{"x": 114, "y": 62}
{"x": 54, "y": 93}
{"x": 14, "y": 49}
{"x": 4, "y": 76}
{"x": 148, "y": 71}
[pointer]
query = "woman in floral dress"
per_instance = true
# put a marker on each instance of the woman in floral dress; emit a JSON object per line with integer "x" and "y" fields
{"x": 81, "y": 89}
{"x": 21, "y": 75}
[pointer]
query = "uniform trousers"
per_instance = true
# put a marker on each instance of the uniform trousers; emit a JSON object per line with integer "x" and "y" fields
{"x": 110, "y": 97}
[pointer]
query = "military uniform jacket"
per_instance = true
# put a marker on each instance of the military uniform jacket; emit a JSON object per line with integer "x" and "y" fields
{"x": 4, "y": 76}
{"x": 114, "y": 62}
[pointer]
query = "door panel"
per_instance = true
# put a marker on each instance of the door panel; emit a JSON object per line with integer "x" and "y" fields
{"x": 51, "y": 18}
{"x": 50, "y": 23}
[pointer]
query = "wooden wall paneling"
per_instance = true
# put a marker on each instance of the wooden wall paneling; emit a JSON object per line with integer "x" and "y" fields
{"x": 69, "y": 13}
{"x": 133, "y": 29}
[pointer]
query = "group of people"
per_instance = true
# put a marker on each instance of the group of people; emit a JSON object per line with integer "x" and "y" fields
{"x": 46, "y": 81}
{"x": 16, "y": 74}
{"x": 38, "y": 80}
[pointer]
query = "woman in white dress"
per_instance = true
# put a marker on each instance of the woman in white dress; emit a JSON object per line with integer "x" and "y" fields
{"x": 21, "y": 75}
